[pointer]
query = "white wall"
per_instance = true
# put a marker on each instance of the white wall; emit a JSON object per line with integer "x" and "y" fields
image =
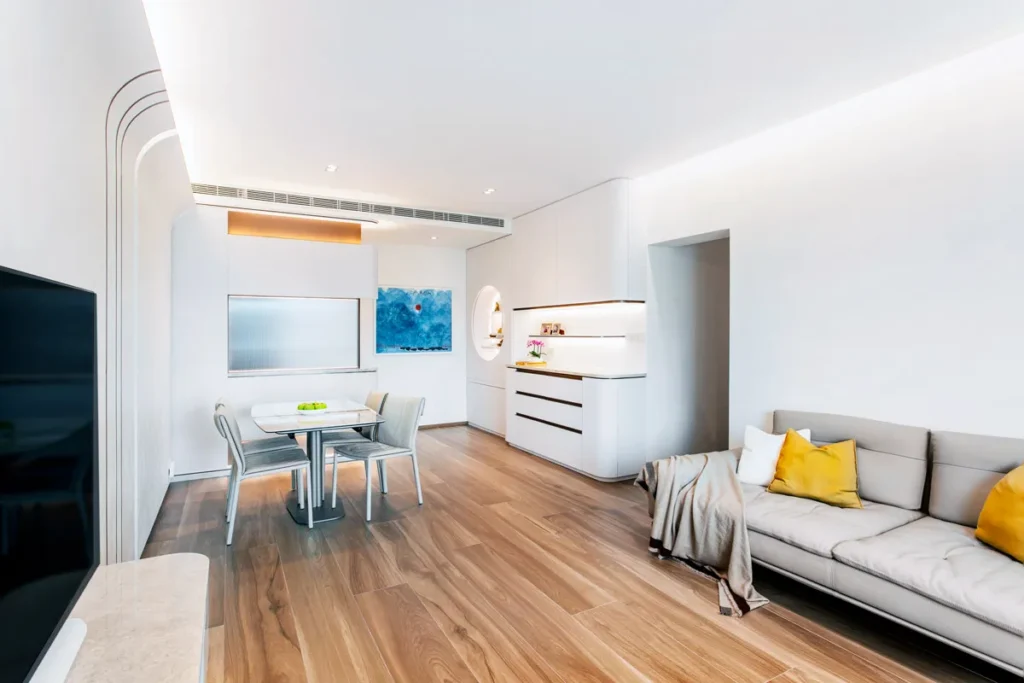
{"x": 439, "y": 377}
{"x": 57, "y": 175}
{"x": 208, "y": 265}
{"x": 876, "y": 251}
{"x": 687, "y": 349}
{"x": 163, "y": 192}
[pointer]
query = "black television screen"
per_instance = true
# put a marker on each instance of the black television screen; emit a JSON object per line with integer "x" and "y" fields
{"x": 49, "y": 535}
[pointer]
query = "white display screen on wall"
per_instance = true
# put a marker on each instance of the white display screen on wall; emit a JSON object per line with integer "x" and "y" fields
{"x": 277, "y": 334}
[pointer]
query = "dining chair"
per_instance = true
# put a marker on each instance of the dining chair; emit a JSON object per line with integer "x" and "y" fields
{"x": 249, "y": 446}
{"x": 374, "y": 401}
{"x": 257, "y": 464}
{"x": 396, "y": 438}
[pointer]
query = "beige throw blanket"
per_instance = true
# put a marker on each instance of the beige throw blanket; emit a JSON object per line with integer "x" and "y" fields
{"x": 696, "y": 505}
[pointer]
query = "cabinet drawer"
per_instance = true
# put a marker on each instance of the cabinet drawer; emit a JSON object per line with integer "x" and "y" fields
{"x": 555, "y": 443}
{"x": 548, "y": 386}
{"x": 564, "y": 413}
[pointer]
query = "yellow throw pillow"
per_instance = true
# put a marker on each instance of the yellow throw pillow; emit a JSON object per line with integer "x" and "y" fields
{"x": 826, "y": 473}
{"x": 1001, "y": 524}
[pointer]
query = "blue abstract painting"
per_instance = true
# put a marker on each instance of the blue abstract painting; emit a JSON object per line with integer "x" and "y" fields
{"x": 414, "y": 320}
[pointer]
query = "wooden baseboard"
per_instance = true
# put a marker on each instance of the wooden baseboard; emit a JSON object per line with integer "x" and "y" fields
{"x": 442, "y": 425}
{"x": 486, "y": 431}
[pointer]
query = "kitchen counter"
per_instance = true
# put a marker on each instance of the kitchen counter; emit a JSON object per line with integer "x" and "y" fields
{"x": 577, "y": 373}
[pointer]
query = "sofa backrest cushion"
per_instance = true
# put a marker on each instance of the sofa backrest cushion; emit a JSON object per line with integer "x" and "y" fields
{"x": 892, "y": 460}
{"x": 965, "y": 467}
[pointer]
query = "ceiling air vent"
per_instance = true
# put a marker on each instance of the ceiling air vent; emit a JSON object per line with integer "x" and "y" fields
{"x": 260, "y": 195}
{"x": 342, "y": 205}
{"x": 197, "y": 188}
{"x": 324, "y": 203}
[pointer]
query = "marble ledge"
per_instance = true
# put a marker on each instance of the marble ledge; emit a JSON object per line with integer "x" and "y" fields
{"x": 146, "y": 621}
{"x": 578, "y": 373}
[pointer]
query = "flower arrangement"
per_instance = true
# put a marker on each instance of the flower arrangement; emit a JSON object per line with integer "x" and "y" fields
{"x": 535, "y": 348}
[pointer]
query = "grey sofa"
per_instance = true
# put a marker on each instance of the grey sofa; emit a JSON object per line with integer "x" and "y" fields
{"x": 910, "y": 554}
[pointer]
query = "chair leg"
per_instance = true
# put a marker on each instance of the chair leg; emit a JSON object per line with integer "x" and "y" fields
{"x": 309, "y": 492}
{"x": 233, "y": 512}
{"x": 416, "y": 476}
{"x": 369, "y": 490}
{"x": 382, "y": 475}
{"x": 301, "y": 491}
{"x": 231, "y": 490}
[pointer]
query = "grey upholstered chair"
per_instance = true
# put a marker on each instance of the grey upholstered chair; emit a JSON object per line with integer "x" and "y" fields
{"x": 375, "y": 401}
{"x": 397, "y": 438}
{"x": 258, "y": 463}
{"x": 249, "y": 446}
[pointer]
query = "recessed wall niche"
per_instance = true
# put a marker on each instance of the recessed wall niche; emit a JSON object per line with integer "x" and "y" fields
{"x": 487, "y": 325}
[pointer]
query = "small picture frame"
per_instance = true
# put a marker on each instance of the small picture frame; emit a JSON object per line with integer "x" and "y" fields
{"x": 556, "y": 328}
{"x": 547, "y": 328}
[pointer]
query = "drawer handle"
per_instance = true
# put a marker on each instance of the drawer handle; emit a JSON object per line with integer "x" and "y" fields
{"x": 550, "y": 424}
{"x": 548, "y": 398}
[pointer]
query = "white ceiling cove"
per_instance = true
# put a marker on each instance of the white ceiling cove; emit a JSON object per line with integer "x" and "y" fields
{"x": 429, "y": 103}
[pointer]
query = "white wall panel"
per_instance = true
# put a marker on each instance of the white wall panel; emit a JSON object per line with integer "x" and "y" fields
{"x": 876, "y": 251}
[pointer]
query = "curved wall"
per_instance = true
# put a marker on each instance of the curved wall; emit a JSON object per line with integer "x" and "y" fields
{"x": 69, "y": 143}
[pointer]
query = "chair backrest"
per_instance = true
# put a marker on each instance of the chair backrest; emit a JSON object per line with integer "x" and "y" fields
{"x": 375, "y": 400}
{"x": 216, "y": 422}
{"x": 227, "y": 425}
{"x": 401, "y": 420}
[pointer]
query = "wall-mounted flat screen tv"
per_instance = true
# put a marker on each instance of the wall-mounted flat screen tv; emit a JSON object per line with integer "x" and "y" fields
{"x": 49, "y": 535}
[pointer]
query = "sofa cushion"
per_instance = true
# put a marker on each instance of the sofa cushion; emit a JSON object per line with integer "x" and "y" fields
{"x": 891, "y": 459}
{"x": 818, "y": 527}
{"x": 944, "y": 562}
{"x": 912, "y": 608}
{"x": 965, "y": 467}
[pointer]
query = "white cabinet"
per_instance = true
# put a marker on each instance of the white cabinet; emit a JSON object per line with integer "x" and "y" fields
{"x": 534, "y": 265}
{"x": 577, "y": 250}
{"x": 594, "y": 426}
{"x": 591, "y": 230}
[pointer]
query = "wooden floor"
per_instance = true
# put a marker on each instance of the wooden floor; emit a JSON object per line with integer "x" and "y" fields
{"x": 513, "y": 570}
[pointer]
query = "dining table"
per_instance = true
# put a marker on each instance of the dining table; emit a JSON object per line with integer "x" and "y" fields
{"x": 284, "y": 418}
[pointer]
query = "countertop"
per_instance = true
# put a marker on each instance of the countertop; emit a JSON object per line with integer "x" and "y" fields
{"x": 146, "y": 621}
{"x": 578, "y": 373}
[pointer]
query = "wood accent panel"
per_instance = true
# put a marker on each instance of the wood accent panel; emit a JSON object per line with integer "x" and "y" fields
{"x": 254, "y": 224}
{"x": 444, "y": 425}
{"x": 515, "y": 569}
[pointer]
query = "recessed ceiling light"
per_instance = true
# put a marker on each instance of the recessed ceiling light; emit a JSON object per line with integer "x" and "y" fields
{"x": 331, "y": 168}
{"x": 433, "y": 237}
{"x": 489, "y": 190}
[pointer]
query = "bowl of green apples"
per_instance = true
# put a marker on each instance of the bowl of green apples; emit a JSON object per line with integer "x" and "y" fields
{"x": 313, "y": 408}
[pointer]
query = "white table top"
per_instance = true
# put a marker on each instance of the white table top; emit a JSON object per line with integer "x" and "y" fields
{"x": 286, "y": 418}
{"x": 146, "y": 622}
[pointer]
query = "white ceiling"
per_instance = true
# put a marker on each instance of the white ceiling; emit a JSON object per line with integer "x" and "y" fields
{"x": 409, "y": 233}
{"x": 429, "y": 103}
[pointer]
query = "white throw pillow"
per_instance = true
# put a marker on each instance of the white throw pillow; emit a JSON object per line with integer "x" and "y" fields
{"x": 761, "y": 455}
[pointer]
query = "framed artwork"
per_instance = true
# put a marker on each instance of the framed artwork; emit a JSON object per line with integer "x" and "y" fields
{"x": 414, "y": 320}
{"x": 545, "y": 328}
